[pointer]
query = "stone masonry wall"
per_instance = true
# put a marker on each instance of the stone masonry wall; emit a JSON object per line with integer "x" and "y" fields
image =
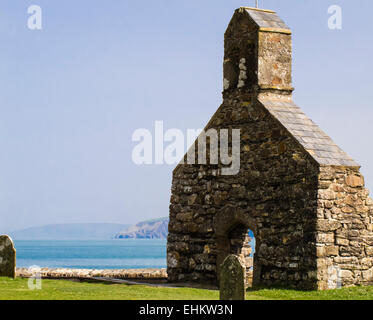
{"x": 276, "y": 188}
{"x": 300, "y": 194}
{"x": 275, "y": 192}
{"x": 274, "y": 60}
{"x": 344, "y": 229}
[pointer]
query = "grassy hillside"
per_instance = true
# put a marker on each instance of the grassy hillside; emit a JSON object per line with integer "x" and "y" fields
{"x": 66, "y": 290}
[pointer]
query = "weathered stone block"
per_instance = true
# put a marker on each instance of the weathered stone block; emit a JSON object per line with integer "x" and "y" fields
{"x": 355, "y": 181}
{"x": 346, "y": 260}
{"x": 327, "y": 174}
{"x": 323, "y": 264}
{"x": 366, "y": 262}
{"x": 185, "y": 216}
{"x": 348, "y": 209}
{"x": 368, "y": 275}
{"x": 192, "y": 199}
{"x": 369, "y": 251}
{"x": 320, "y": 251}
{"x": 346, "y": 274}
{"x": 326, "y": 225}
{"x": 331, "y": 250}
{"x": 325, "y": 237}
{"x": 342, "y": 241}
{"x": 324, "y": 184}
{"x": 7, "y": 257}
{"x": 369, "y": 201}
{"x": 327, "y": 195}
{"x": 173, "y": 259}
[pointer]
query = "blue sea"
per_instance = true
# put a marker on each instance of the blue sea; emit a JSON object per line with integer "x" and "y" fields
{"x": 105, "y": 254}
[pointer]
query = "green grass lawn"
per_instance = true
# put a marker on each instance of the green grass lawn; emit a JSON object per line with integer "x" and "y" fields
{"x": 67, "y": 290}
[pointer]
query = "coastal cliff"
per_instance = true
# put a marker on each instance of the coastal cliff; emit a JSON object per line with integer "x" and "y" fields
{"x": 152, "y": 229}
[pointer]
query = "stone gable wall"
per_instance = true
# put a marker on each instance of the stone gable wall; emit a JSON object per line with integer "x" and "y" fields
{"x": 276, "y": 187}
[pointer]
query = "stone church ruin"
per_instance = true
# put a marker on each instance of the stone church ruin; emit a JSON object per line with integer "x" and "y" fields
{"x": 302, "y": 196}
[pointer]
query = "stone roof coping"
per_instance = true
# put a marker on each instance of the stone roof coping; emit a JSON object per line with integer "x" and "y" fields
{"x": 267, "y": 20}
{"x": 258, "y": 9}
{"x": 315, "y": 141}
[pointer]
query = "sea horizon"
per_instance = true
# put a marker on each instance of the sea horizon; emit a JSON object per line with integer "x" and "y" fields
{"x": 92, "y": 254}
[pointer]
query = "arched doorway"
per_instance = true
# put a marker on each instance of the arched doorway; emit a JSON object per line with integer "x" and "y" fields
{"x": 236, "y": 233}
{"x": 242, "y": 243}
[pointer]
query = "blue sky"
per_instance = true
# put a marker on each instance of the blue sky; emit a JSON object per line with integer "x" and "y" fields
{"x": 72, "y": 94}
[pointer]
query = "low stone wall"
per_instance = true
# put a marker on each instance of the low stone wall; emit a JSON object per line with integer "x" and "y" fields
{"x": 48, "y": 273}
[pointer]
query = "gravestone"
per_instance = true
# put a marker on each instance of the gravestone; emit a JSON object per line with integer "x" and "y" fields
{"x": 7, "y": 257}
{"x": 232, "y": 279}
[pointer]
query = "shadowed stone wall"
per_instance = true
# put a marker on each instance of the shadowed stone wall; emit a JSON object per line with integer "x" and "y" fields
{"x": 274, "y": 195}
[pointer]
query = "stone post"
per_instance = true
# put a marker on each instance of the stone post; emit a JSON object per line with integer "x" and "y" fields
{"x": 232, "y": 279}
{"x": 7, "y": 257}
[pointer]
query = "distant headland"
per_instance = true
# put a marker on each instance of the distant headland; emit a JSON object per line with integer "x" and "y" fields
{"x": 151, "y": 229}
